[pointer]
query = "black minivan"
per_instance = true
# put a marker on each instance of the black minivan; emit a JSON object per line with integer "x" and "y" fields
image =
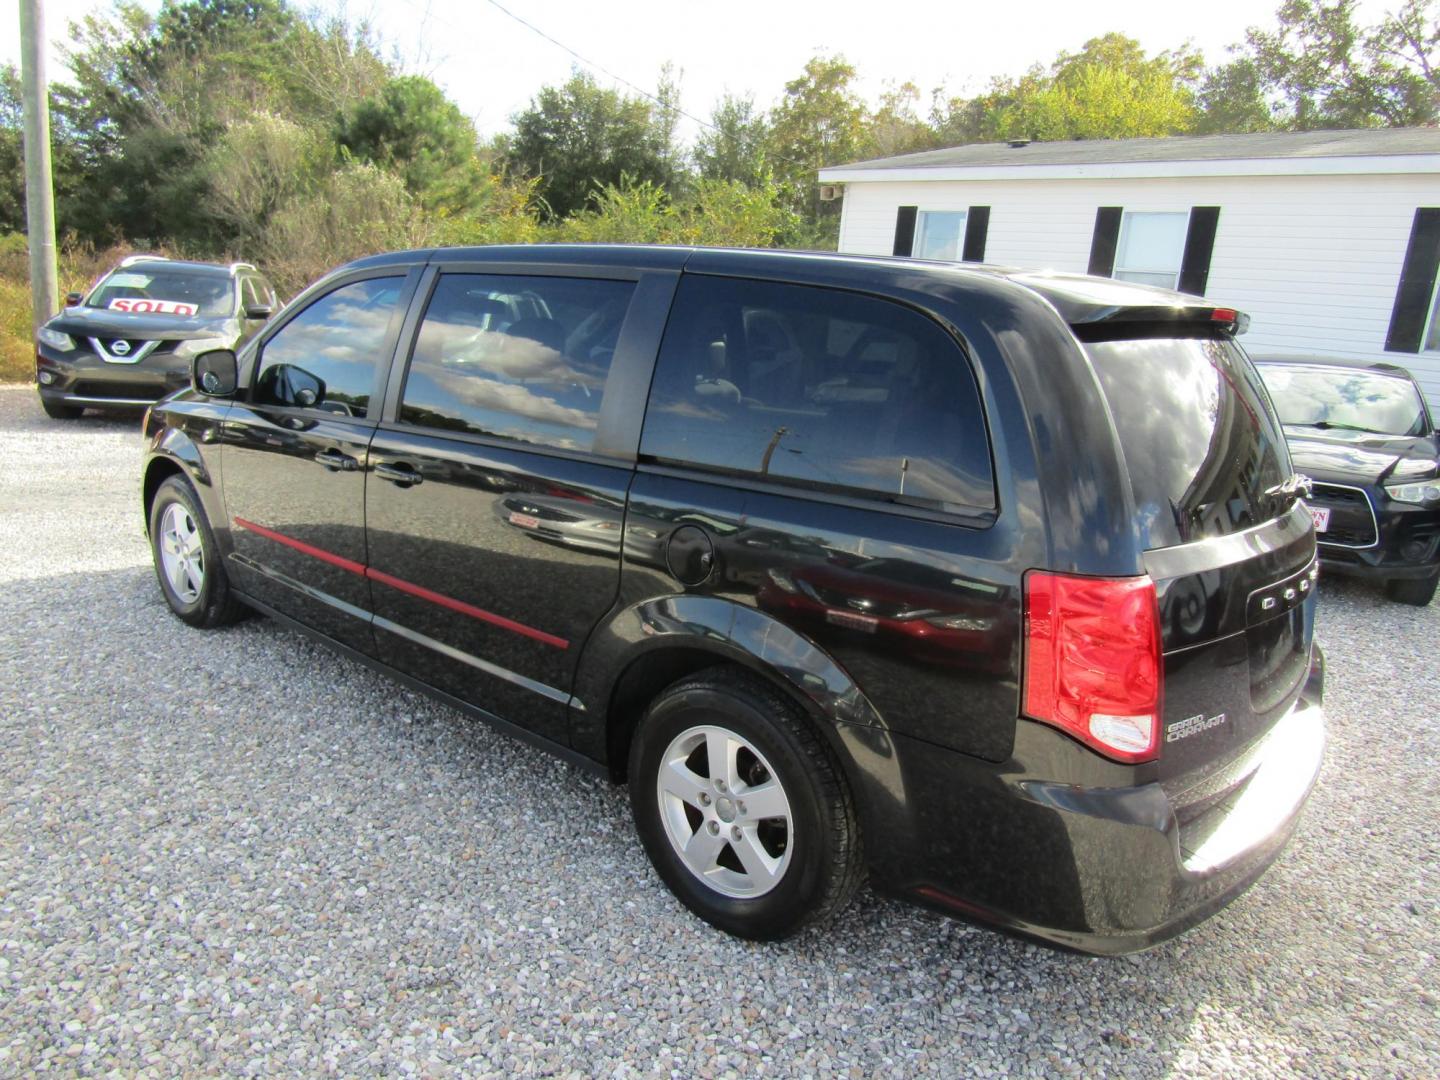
{"x": 991, "y": 586}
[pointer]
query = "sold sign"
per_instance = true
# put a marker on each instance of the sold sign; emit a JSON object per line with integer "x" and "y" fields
{"x": 153, "y": 307}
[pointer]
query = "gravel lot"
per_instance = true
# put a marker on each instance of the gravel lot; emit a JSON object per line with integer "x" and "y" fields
{"x": 235, "y": 852}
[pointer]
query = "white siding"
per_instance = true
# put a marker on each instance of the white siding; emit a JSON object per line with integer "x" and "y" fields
{"x": 1315, "y": 260}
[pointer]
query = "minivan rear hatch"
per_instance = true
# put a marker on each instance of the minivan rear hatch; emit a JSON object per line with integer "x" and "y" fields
{"x": 1229, "y": 546}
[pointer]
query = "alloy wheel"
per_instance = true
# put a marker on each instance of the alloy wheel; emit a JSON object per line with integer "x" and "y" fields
{"x": 725, "y": 811}
{"x": 182, "y": 556}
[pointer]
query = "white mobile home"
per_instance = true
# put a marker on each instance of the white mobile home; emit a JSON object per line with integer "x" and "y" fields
{"x": 1329, "y": 239}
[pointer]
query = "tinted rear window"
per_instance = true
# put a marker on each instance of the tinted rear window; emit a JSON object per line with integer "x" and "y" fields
{"x": 1199, "y": 435}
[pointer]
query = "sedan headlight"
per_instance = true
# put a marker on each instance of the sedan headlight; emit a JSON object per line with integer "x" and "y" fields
{"x": 55, "y": 339}
{"x": 196, "y": 346}
{"x": 1420, "y": 492}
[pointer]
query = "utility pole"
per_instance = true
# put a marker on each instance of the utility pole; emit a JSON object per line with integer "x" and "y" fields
{"x": 39, "y": 193}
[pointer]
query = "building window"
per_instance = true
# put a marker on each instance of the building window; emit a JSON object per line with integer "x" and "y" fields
{"x": 1150, "y": 248}
{"x": 940, "y": 235}
{"x": 1432, "y": 333}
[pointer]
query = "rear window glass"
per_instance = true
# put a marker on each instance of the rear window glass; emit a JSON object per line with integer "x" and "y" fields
{"x": 820, "y": 388}
{"x": 1349, "y": 400}
{"x": 1201, "y": 442}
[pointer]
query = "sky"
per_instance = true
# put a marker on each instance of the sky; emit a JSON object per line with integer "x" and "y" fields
{"x": 491, "y": 65}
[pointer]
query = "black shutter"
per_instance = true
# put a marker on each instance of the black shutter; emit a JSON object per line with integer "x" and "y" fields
{"x": 977, "y": 228}
{"x": 905, "y": 230}
{"x": 1417, "y": 283}
{"x": 1199, "y": 243}
{"x": 1102, "y": 244}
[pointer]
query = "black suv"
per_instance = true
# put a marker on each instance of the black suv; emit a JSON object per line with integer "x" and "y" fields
{"x": 1363, "y": 435}
{"x": 993, "y": 586}
{"x": 130, "y": 342}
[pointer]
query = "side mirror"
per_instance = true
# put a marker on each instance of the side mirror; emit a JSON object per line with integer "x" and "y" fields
{"x": 73, "y": 298}
{"x": 258, "y": 311}
{"x": 215, "y": 373}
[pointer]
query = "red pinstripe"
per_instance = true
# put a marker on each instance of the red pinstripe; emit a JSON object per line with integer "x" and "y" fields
{"x": 404, "y": 586}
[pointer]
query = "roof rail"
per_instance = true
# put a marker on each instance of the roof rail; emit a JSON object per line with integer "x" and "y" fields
{"x": 241, "y": 266}
{"x": 131, "y": 260}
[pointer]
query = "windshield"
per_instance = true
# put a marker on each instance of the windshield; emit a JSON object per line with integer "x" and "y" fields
{"x": 1201, "y": 442}
{"x": 165, "y": 292}
{"x": 1346, "y": 399}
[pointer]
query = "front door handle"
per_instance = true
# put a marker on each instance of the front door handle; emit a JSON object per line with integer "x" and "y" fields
{"x": 400, "y": 474}
{"x": 335, "y": 461}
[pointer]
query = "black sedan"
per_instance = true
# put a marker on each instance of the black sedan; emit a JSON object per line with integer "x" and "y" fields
{"x": 1362, "y": 433}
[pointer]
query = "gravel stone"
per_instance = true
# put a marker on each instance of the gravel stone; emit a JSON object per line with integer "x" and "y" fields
{"x": 235, "y": 852}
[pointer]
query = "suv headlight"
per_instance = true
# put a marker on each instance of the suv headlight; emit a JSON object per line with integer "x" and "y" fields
{"x": 196, "y": 346}
{"x": 55, "y": 339}
{"x": 1421, "y": 492}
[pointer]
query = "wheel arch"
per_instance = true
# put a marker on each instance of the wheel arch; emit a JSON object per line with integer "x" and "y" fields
{"x": 652, "y": 644}
{"x": 174, "y": 453}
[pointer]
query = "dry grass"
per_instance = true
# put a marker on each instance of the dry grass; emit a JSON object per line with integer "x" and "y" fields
{"x": 79, "y": 266}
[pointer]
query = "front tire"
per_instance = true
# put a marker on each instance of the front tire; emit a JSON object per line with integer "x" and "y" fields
{"x": 742, "y": 807}
{"x": 187, "y": 562}
{"x": 1415, "y": 591}
{"x": 57, "y": 411}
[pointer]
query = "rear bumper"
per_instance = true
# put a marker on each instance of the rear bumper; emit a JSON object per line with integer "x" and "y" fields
{"x": 1100, "y": 870}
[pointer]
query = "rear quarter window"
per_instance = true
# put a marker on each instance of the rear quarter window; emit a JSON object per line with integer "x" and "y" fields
{"x": 819, "y": 388}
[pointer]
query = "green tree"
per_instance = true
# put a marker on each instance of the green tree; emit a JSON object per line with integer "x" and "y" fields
{"x": 1313, "y": 64}
{"x": 412, "y": 129}
{"x": 896, "y": 126}
{"x": 12, "y": 152}
{"x": 736, "y": 144}
{"x": 1321, "y": 69}
{"x": 154, "y": 101}
{"x": 1232, "y": 100}
{"x": 1110, "y": 89}
{"x": 1404, "y": 53}
{"x": 820, "y": 121}
{"x": 580, "y": 136}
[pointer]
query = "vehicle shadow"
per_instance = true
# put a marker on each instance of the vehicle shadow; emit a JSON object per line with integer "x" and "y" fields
{"x": 481, "y": 857}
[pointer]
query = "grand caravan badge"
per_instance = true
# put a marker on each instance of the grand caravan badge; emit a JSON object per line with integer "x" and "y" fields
{"x": 1192, "y": 725}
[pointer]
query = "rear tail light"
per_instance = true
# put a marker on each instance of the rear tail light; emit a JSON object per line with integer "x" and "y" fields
{"x": 1092, "y": 661}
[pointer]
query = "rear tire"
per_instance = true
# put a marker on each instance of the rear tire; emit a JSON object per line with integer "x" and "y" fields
{"x": 1415, "y": 591}
{"x": 743, "y": 808}
{"x": 57, "y": 411}
{"x": 187, "y": 562}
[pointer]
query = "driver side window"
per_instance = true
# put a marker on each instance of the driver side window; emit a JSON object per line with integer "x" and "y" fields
{"x": 328, "y": 356}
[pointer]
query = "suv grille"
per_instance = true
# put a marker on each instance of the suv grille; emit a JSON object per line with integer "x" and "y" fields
{"x": 1352, "y": 518}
